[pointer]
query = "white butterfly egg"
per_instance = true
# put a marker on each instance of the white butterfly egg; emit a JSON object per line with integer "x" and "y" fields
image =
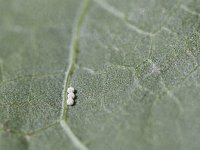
{"x": 70, "y": 90}
{"x": 70, "y": 101}
{"x": 71, "y": 95}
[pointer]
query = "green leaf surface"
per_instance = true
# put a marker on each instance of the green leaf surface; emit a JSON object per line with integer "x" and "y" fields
{"x": 134, "y": 65}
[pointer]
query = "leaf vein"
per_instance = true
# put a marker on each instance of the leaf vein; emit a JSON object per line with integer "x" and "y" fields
{"x": 122, "y": 16}
{"x": 73, "y": 58}
{"x": 188, "y": 10}
{"x": 71, "y": 135}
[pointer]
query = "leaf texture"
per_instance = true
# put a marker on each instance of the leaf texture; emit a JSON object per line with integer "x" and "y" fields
{"x": 133, "y": 63}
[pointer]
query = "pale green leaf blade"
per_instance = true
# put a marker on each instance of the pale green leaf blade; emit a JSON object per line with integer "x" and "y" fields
{"x": 134, "y": 64}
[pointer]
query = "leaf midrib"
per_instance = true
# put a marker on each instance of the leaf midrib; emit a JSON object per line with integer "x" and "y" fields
{"x": 73, "y": 59}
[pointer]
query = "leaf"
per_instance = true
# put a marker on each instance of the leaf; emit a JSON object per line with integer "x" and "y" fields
{"x": 134, "y": 64}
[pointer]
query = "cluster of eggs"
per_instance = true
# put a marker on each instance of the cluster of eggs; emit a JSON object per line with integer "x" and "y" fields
{"x": 70, "y": 96}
